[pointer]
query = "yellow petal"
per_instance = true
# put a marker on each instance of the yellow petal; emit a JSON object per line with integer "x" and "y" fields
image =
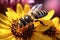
{"x": 19, "y": 10}
{"x": 9, "y": 16}
{"x": 4, "y": 26}
{"x": 58, "y": 27}
{"x": 45, "y": 25}
{"x": 1, "y": 22}
{"x": 49, "y": 15}
{"x": 9, "y": 38}
{"x": 12, "y": 13}
{"x": 55, "y": 21}
{"x": 47, "y": 22}
{"x": 36, "y": 24}
{"x": 42, "y": 28}
{"x": 23, "y": 14}
{"x": 39, "y": 36}
{"x": 13, "y": 38}
{"x": 4, "y": 19}
{"x": 26, "y": 8}
{"x": 4, "y": 33}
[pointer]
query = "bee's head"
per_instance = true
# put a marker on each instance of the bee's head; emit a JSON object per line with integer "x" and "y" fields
{"x": 25, "y": 20}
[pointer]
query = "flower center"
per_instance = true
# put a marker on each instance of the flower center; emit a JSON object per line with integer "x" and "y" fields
{"x": 22, "y": 31}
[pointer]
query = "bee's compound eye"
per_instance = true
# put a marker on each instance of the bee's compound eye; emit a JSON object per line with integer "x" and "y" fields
{"x": 27, "y": 18}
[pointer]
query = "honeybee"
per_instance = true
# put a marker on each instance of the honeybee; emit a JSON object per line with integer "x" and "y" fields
{"x": 34, "y": 13}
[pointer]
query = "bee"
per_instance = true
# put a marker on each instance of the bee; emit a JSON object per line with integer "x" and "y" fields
{"x": 34, "y": 13}
{"x": 25, "y": 27}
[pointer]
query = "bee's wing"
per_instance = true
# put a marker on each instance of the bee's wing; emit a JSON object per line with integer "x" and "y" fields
{"x": 39, "y": 6}
{"x": 35, "y": 8}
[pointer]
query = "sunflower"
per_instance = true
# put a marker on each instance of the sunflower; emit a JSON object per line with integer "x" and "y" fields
{"x": 10, "y": 25}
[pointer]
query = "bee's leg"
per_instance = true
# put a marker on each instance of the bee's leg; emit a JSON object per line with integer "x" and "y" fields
{"x": 40, "y": 22}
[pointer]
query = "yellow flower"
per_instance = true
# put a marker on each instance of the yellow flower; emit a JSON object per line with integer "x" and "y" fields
{"x": 10, "y": 28}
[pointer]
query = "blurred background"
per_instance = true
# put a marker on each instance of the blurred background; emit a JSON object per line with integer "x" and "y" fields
{"x": 47, "y": 5}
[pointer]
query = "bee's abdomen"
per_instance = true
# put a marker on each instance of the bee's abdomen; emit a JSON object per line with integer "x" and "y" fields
{"x": 39, "y": 14}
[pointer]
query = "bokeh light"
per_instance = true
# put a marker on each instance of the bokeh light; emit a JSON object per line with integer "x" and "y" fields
{"x": 53, "y": 4}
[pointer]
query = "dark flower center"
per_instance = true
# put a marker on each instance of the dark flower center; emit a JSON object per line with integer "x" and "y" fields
{"x": 22, "y": 32}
